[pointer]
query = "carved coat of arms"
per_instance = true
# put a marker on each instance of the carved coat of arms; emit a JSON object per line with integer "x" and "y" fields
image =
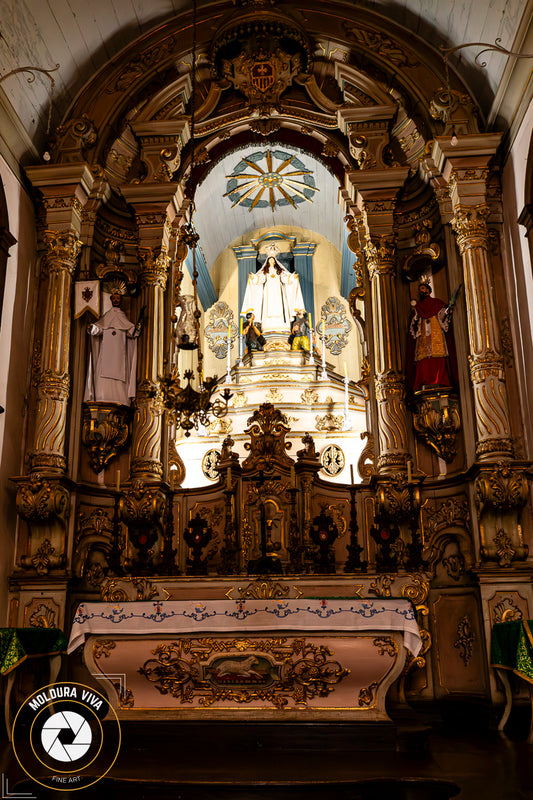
{"x": 216, "y": 332}
{"x": 336, "y": 325}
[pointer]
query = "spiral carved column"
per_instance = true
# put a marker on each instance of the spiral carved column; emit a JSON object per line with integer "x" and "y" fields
{"x": 148, "y": 418}
{"x": 62, "y": 250}
{"x": 486, "y": 362}
{"x": 390, "y": 381}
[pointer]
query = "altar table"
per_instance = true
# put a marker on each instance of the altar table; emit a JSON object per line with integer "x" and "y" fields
{"x": 232, "y": 659}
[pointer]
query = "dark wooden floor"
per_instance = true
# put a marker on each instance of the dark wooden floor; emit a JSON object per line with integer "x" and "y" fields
{"x": 427, "y": 757}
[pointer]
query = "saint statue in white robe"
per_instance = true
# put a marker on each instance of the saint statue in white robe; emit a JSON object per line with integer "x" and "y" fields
{"x": 111, "y": 376}
{"x": 274, "y": 295}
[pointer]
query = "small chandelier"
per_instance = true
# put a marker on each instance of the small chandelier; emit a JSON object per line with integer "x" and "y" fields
{"x": 187, "y": 407}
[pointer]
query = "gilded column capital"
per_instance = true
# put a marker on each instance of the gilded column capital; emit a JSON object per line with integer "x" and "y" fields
{"x": 470, "y": 226}
{"x": 380, "y": 252}
{"x": 154, "y": 266}
{"x": 62, "y": 251}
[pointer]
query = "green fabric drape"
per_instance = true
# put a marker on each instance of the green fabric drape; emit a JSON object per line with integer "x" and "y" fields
{"x": 512, "y": 647}
{"x": 16, "y": 644}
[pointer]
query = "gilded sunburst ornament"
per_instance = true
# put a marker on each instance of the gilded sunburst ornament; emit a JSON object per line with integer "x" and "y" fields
{"x": 270, "y": 178}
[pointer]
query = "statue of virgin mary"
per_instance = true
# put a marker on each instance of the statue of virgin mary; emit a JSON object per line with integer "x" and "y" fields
{"x": 274, "y": 295}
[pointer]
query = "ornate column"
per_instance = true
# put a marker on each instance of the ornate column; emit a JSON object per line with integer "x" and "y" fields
{"x": 379, "y": 245}
{"x": 65, "y": 190}
{"x": 62, "y": 251}
{"x": 466, "y": 172}
{"x": 43, "y": 498}
{"x": 156, "y": 202}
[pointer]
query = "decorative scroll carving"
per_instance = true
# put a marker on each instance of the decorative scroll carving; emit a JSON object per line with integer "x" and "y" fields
{"x": 44, "y": 559}
{"x": 454, "y": 564}
{"x": 123, "y": 590}
{"x": 506, "y": 611}
{"x": 263, "y": 590}
{"x": 417, "y": 591}
{"x": 309, "y": 396}
{"x": 95, "y": 532}
{"x": 366, "y": 695}
{"x": 176, "y": 466}
{"x": 43, "y": 617}
{"x": 40, "y": 500}
{"x": 450, "y": 513}
{"x": 45, "y": 506}
{"x": 103, "y": 647}
{"x": 380, "y": 44}
{"x": 381, "y": 587}
{"x": 243, "y": 671}
{"x": 366, "y": 470}
{"x": 267, "y": 428}
{"x": 465, "y": 639}
{"x": 240, "y": 400}
{"x": 138, "y": 66}
{"x": 500, "y": 496}
{"x": 104, "y": 431}
{"x": 449, "y": 524}
{"x": 74, "y": 139}
{"x": 437, "y": 421}
{"x": 329, "y": 422}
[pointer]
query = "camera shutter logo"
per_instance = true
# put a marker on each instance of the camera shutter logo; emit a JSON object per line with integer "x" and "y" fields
{"x": 66, "y": 736}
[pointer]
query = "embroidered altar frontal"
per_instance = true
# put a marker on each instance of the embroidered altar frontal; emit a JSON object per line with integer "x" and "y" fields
{"x": 301, "y": 659}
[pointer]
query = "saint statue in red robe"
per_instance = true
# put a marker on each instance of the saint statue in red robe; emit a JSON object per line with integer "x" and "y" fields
{"x": 431, "y": 360}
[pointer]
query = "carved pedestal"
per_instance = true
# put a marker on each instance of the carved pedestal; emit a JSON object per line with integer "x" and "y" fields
{"x": 104, "y": 432}
{"x": 501, "y": 493}
{"x": 437, "y": 421}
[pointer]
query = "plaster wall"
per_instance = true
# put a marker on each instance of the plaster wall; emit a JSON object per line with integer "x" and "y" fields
{"x": 518, "y": 271}
{"x": 16, "y": 336}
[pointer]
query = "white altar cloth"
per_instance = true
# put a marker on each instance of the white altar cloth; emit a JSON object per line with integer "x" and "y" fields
{"x": 199, "y": 617}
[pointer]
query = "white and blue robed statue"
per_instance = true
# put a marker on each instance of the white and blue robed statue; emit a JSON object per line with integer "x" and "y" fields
{"x": 113, "y": 356}
{"x": 273, "y": 294}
